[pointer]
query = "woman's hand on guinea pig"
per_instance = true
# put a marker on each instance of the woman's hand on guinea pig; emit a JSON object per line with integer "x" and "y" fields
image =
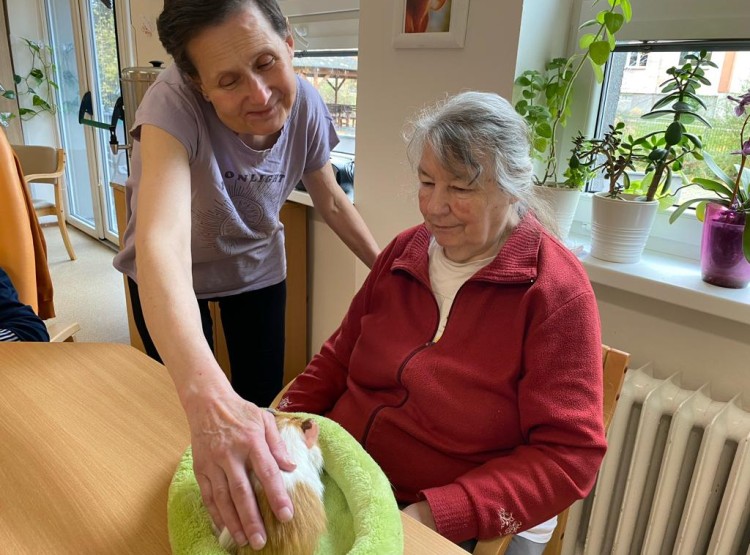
{"x": 230, "y": 437}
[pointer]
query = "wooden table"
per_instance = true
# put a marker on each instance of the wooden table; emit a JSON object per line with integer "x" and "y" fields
{"x": 90, "y": 436}
{"x": 420, "y": 540}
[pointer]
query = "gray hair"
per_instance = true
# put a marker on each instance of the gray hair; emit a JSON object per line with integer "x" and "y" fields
{"x": 183, "y": 20}
{"x": 475, "y": 132}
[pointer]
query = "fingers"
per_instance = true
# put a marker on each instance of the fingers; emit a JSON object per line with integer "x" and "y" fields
{"x": 229, "y": 437}
{"x": 276, "y": 445}
{"x": 240, "y": 502}
{"x": 230, "y": 500}
{"x": 264, "y": 460}
{"x": 204, "y": 484}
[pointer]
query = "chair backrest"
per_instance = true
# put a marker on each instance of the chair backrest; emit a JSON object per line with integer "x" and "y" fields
{"x": 41, "y": 163}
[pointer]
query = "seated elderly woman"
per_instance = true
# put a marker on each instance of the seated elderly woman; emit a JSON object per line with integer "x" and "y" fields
{"x": 469, "y": 363}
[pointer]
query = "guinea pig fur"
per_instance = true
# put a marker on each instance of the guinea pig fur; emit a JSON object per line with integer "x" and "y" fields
{"x": 299, "y": 536}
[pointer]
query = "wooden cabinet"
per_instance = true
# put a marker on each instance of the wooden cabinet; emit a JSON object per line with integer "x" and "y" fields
{"x": 118, "y": 192}
{"x": 294, "y": 218}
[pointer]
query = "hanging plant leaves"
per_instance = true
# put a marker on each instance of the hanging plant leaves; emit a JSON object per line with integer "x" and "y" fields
{"x": 39, "y": 101}
{"x": 599, "y": 51}
{"x": 613, "y": 21}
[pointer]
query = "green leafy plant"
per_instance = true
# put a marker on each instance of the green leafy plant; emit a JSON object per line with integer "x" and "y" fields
{"x": 668, "y": 148}
{"x": 38, "y": 85}
{"x": 610, "y": 155}
{"x": 546, "y": 96}
{"x": 6, "y": 117}
{"x": 733, "y": 193}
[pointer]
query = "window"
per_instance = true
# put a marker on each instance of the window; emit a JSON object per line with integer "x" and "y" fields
{"x": 636, "y": 60}
{"x": 334, "y": 75}
{"x": 326, "y": 38}
{"x": 628, "y": 94}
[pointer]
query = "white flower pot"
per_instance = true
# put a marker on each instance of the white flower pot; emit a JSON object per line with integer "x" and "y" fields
{"x": 562, "y": 202}
{"x": 620, "y": 227}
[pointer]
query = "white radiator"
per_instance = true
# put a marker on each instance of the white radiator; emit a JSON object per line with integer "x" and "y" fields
{"x": 676, "y": 478}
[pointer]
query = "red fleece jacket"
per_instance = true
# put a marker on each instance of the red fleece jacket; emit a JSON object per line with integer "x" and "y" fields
{"x": 499, "y": 424}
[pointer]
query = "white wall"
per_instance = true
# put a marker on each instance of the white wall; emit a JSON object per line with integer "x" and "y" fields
{"x": 25, "y": 19}
{"x": 699, "y": 346}
{"x": 143, "y": 14}
{"x": 549, "y": 20}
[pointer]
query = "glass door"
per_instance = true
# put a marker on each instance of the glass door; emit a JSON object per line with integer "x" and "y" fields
{"x": 86, "y": 58}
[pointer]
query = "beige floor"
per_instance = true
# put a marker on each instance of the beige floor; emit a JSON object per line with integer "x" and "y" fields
{"x": 87, "y": 290}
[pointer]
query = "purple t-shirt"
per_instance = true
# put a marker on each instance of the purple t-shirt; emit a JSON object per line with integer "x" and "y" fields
{"x": 237, "y": 192}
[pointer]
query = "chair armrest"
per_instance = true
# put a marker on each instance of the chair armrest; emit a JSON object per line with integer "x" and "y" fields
{"x": 496, "y": 546}
{"x": 37, "y": 176}
{"x": 62, "y": 331}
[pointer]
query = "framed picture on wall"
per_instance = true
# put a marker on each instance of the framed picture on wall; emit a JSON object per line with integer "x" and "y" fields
{"x": 430, "y": 23}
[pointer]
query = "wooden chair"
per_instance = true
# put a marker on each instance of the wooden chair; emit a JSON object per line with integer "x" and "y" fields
{"x": 62, "y": 331}
{"x": 615, "y": 363}
{"x": 45, "y": 164}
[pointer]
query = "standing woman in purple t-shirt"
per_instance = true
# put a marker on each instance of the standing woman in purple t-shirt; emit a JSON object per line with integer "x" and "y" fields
{"x": 222, "y": 138}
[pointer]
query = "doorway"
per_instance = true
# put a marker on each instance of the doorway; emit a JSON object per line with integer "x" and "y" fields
{"x": 86, "y": 55}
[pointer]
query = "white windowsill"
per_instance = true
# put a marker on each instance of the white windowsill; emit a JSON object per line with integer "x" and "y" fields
{"x": 673, "y": 277}
{"x": 670, "y": 279}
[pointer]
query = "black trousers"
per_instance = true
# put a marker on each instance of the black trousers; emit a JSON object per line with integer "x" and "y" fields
{"x": 253, "y": 325}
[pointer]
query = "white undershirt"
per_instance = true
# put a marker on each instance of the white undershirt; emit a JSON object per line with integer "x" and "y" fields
{"x": 446, "y": 278}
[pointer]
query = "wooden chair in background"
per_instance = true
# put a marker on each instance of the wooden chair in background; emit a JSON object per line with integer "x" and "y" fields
{"x": 615, "y": 364}
{"x": 45, "y": 164}
{"x": 62, "y": 331}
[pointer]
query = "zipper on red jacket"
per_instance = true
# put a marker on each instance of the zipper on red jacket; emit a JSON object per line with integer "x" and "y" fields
{"x": 398, "y": 377}
{"x": 455, "y": 298}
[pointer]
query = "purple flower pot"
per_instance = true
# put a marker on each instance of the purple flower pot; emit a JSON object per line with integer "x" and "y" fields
{"x": 722, "y": 260}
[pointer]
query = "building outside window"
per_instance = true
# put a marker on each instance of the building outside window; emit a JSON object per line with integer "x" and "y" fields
{"x": 636, "y": 60}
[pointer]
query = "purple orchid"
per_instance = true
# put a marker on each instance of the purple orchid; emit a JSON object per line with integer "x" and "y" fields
{"x": 742, "y": 101}
{"x": 745, "y": 149}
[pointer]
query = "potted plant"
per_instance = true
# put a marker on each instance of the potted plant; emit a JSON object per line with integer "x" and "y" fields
{"x": 680, "y": 104}
{"x": 621, "y": 220}
{"x": 725, "y": 243}
{"x": 545, "y": 99}
{"x": 620, "y": 232}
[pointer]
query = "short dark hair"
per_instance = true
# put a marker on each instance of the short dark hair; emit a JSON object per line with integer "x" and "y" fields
{"x": 183, "y": 20}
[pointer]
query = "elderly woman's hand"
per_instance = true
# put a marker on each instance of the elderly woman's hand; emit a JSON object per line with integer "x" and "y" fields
{"x": 230, "y": 437}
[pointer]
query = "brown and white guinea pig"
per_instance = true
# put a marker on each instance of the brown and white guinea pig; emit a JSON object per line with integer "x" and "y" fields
{"x": 299, "y": 536}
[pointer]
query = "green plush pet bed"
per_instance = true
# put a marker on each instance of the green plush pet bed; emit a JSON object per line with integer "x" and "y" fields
{"x": 363, "y": 517}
